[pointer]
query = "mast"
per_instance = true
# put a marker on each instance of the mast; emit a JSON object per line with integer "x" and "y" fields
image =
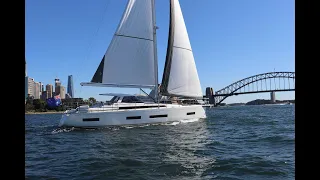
{"x": 155, "y": 51}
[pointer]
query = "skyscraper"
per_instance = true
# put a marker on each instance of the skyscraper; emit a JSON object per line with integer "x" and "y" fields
{"x": 57, "y": 85}
{"x": 61, "y": 90}
{"x": 70, "y": 90}
{"x": 57, "y": 82}
{"x": 25, "y": 67}
{"x": 26, "y": 85}
{"x": 29, "y": 86}
{"x": 49, "y": 89}
{"x": 36, "y": 90}
{"x": 26, "y": 79}
{"x": 41, "y": 85}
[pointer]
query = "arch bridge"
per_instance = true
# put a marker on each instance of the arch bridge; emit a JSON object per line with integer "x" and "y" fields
{"x": 266, "y": 82}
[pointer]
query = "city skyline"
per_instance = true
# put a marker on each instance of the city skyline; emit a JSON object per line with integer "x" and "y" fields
{"x": 37, "y": 91}
{"x": 231, "y": 40}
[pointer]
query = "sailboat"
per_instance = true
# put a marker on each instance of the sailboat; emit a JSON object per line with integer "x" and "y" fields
{"x": 131, "y": 62}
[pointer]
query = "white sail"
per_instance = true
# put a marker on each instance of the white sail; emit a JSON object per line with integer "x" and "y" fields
{"x": 180, "y": 76}
{"x": 129, "y": 60}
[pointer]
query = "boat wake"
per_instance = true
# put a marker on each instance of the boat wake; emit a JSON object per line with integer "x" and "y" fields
{"x": 60, "y": 130}
{"x": 171, "y": 123}
{"x": 189, "y": 120}
{"x": 180, "y": 122}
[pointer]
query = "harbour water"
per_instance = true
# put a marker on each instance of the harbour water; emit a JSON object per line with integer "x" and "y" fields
{"x": 238, "y": 142}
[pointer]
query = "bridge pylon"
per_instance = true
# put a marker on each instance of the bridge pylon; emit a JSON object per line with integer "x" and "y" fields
{"x": 209, "y": 94}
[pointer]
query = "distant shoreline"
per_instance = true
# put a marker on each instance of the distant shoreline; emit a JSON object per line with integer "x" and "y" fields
{"x": 48, "y": 112}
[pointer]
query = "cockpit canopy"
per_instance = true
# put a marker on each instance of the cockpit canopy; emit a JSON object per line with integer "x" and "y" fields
{"x": 125, "y": 99}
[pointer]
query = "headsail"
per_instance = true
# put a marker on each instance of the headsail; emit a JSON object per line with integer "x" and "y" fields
{"x": 129, "y": 60}
{"x": 180, "y": 76}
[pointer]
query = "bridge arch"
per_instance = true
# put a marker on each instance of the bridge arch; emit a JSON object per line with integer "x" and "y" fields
{"x": 233, "y": 88}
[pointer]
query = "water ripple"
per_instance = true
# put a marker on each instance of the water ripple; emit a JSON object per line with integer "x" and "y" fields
{"x": 244, "y": 142}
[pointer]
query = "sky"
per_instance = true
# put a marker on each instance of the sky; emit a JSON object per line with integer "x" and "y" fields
{"x": 230, "y": 39}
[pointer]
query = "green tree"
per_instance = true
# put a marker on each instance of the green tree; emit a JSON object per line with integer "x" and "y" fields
{"x": 86, "y": 101}
{"x": 39, "y": 104}
{"x": 61, "y": 108}
{"x": 92, "y": 99}
{"x": 29, "y": 107}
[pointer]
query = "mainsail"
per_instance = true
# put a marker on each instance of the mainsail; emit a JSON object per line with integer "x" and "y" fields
{"x": 129, "y": 60}
{"x": 180, "y": 77}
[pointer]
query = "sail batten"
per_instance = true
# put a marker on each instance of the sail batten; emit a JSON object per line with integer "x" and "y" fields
{"x": 129, "y": 59}
{"x": 182, "y": 48}
{"x": 133, "y": 37}
{"x": 180, "y": 77}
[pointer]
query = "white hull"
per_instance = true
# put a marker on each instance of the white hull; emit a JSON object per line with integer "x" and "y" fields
{"x": 116, "y": 117}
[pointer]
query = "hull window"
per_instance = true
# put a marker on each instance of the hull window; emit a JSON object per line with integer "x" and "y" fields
{"x": 140, "y": 107}
{"x": 191, "y": 113}
{"x": 90, "y": 119}
{"x": 158, "y": 116}
{"x": 134, "y": 117}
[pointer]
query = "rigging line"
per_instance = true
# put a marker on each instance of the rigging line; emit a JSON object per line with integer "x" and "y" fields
{"x": 90, "y": 44}
{"x": 148, "y": 94}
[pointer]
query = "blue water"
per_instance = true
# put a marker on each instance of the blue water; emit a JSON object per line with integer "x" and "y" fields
{"x": 240, "y": 142}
